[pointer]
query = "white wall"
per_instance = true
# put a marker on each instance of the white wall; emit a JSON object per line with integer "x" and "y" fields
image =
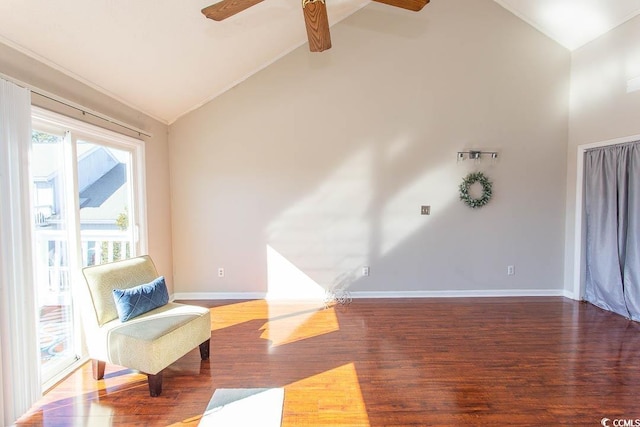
{"x": 601, "y": 108}
{"x": 318, "y": 165}
{"x": 21, "y": 67}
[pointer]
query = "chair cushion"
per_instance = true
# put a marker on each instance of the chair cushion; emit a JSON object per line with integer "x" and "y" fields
{"x": 155, "y": 339}
{"x": 140, "y": 299}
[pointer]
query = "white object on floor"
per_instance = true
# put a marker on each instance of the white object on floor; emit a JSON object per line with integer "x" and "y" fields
{"x": 256, "y": 407}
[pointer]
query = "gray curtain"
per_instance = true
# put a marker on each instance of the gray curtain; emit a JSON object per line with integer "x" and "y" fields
{"x": 612, "y": 203}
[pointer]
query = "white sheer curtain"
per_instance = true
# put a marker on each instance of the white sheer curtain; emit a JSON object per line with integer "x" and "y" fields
{"x": 19, "y": 359}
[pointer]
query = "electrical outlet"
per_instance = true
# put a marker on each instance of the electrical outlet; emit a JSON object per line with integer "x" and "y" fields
{"x": 511, "y": 270}
{"x": 220, "y": 272}
{"x": 365, "y": 271}
{"x": 425, "y": 210}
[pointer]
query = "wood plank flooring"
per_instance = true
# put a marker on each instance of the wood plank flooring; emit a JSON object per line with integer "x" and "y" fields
{"x": 402, "y": 362}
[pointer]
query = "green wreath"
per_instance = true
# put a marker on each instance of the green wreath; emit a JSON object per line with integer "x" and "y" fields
{"x": 467, "y": 182}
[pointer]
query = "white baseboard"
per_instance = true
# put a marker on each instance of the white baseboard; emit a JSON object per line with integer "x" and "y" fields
{"x": 462, "y": 293}
{"x": 570, "y": 295}
{"x": 401, "y": 294}
{"x": 219, "y": 295}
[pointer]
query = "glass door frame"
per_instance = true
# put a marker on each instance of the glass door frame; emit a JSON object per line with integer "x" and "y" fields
{"x": 74, "y": 130}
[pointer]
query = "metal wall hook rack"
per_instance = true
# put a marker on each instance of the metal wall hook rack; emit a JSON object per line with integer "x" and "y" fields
{"x": 476, "y": 154}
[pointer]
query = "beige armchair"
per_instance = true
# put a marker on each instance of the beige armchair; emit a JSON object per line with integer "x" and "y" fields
{"x": 147, "y": 342}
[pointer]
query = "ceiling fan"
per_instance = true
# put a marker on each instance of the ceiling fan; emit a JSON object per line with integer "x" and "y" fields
{"x": 315, "y": 16}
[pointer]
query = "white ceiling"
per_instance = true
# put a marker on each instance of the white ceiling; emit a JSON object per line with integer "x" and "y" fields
{"x": 164, "y": 58}
{"x": 573, "y": 23}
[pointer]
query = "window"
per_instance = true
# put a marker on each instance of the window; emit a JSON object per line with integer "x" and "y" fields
{"x": 88, "y": 208}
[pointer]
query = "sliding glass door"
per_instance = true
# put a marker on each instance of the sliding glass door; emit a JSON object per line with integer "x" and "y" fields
{"x": 87, "y": 188}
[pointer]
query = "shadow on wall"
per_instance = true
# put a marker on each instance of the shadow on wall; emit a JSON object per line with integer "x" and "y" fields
{"x": 350, "y": 221}
{"x": 367, "y": 213}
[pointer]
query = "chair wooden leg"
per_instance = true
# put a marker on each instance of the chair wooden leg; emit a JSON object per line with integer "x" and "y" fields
{"x": 155, "y": 384}
{"x": 97, "y": 368}
{"x": 204, "y": 349}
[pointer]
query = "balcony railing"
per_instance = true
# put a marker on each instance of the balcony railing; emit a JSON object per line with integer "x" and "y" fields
{"x": 52, "y": 268}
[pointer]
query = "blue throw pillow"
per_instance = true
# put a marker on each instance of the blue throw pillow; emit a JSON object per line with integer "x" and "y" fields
{"x": 135, "y": 301}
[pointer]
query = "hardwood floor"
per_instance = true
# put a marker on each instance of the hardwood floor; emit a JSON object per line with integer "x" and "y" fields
{"x": 486, "y": 361}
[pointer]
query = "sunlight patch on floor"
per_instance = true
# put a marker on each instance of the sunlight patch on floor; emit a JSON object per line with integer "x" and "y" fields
{"x": 80, "y": 389}
{"x": 228, "y": 315}
{"x": 100, "y": 415}
{"x": 284, "y": 322}
{"x": 330, "y": 398}
{"x": 288, "y": 328}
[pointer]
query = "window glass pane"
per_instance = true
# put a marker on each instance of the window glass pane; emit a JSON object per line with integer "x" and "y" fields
{"x": 52, "y": 252}
{"x": 105, "y": 192}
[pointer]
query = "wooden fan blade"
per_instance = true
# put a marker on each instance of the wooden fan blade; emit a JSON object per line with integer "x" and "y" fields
{"x": 414, "y": 5}
{"x": 226, "y": 8}
{"x": 317, "y": 23}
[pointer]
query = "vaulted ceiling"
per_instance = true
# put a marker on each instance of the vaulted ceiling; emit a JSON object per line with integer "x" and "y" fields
{"x": 163, "y": 57}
